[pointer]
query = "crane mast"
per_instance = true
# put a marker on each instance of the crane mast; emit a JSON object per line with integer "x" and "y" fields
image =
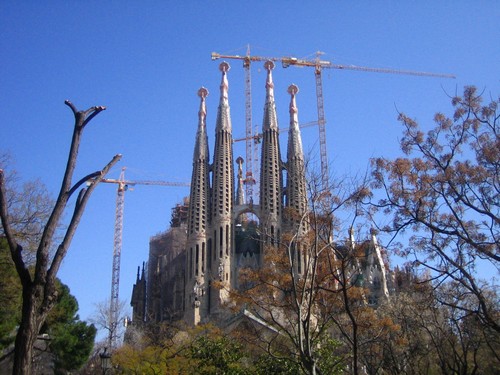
{"x": 325, "y": 176}
{"x": 117, "y": 247}
{"x": 250, "y": 175}
{"x": 318, "y": 65}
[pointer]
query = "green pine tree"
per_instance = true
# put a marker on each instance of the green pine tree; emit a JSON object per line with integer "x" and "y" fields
{"x": 71, "y": 340}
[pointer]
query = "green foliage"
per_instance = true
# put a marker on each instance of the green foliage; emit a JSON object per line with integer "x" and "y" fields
{"x": 205, "y": 350}
{"x": 328, "y": 362}
{"x": 216, "y": 355}
{"x": 10, "y": 297}
{"x": 64, "y": 310}
{"x": 71, "y": 339}
{"x": 72, "y": 343}
{"x": 267, "y": 364}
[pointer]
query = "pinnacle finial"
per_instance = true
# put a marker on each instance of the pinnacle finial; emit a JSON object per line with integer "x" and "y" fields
{"x": 293, "y": 90}
{"x": 224, "y": 86}
{"x": 224, "y": 67}
{"x": 202, "y": 93}
{"x": 269, "y": 66}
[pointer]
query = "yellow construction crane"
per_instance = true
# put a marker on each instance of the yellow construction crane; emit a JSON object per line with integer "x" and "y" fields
{"x": 318, "y": 65}
{"x": 123, "y": 186}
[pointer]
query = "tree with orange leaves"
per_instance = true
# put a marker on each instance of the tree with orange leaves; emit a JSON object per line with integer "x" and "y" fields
{"x": 446, "y": 192}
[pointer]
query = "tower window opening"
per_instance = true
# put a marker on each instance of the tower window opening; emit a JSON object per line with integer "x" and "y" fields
{"x": 191, "y": 262}
{"x": 203, "y": 257}
{"x": 220, "y": 241}
{"x": 215, "y": 243}
{"x": 197, "y": 259}
{"x": 209, "y": 254}
{"x": 227, "y": 239}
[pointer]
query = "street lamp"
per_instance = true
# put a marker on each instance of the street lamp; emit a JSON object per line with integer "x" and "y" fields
{"x": 105, "y": 361}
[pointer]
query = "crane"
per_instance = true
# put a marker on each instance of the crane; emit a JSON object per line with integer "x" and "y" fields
{"x": 117, "y": 245}
{"x": 318, "y": 65}
{"x": 250, "y": 149}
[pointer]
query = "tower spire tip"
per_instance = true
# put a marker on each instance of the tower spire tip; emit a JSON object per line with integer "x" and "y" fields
{"x": 224, "y": 67}
{"x": 269, "y": 65}
{"x": 202, "y": 92}
{"x": 293, "y": 89}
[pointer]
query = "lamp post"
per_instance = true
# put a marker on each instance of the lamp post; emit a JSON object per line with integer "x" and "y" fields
{"x": 105, "y": 361}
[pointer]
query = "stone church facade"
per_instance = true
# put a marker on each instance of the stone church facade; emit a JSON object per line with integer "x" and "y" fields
{"x": 215, "y": 233}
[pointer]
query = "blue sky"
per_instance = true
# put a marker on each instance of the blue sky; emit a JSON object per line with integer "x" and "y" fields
{"x": 146, "y": 60}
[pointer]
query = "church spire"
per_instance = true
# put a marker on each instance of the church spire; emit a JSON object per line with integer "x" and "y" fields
{"x": 222, "y": 196}
{"x": 223, "y": 118}
{"x": 201, "y": 143}
{"x": 198, "y": 203}
{"x": 294, "y": 137}
{"x": 296, "y": 196}
{"x": 223, "y": 169}
{"x": 271, "y": 184}
{"x": 270, "y": 118}
{"x": 198, "y": 216}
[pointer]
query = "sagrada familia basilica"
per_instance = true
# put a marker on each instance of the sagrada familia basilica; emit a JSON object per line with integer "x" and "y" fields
{"x": 215, "y": 233}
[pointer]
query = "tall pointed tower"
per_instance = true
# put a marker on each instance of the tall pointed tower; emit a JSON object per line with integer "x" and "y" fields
{"x": 199, "y": 206}
{"x": 271, "y": 176}
{"x": 220, "y": 247}
{"x": 197, "y": 261}
{"x": 296, "y": 194}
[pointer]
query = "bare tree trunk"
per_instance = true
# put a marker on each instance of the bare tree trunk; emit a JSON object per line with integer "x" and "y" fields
{"x": 26, "y": 334}
{"x": 352, "y": 318}
{"x": 39, "y": 292}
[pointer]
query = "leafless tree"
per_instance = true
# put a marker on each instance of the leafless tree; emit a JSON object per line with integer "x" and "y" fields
{"x": 102, "y": 319}
{"x": 39, "y": 283}
{"x": 29, "y": 206}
